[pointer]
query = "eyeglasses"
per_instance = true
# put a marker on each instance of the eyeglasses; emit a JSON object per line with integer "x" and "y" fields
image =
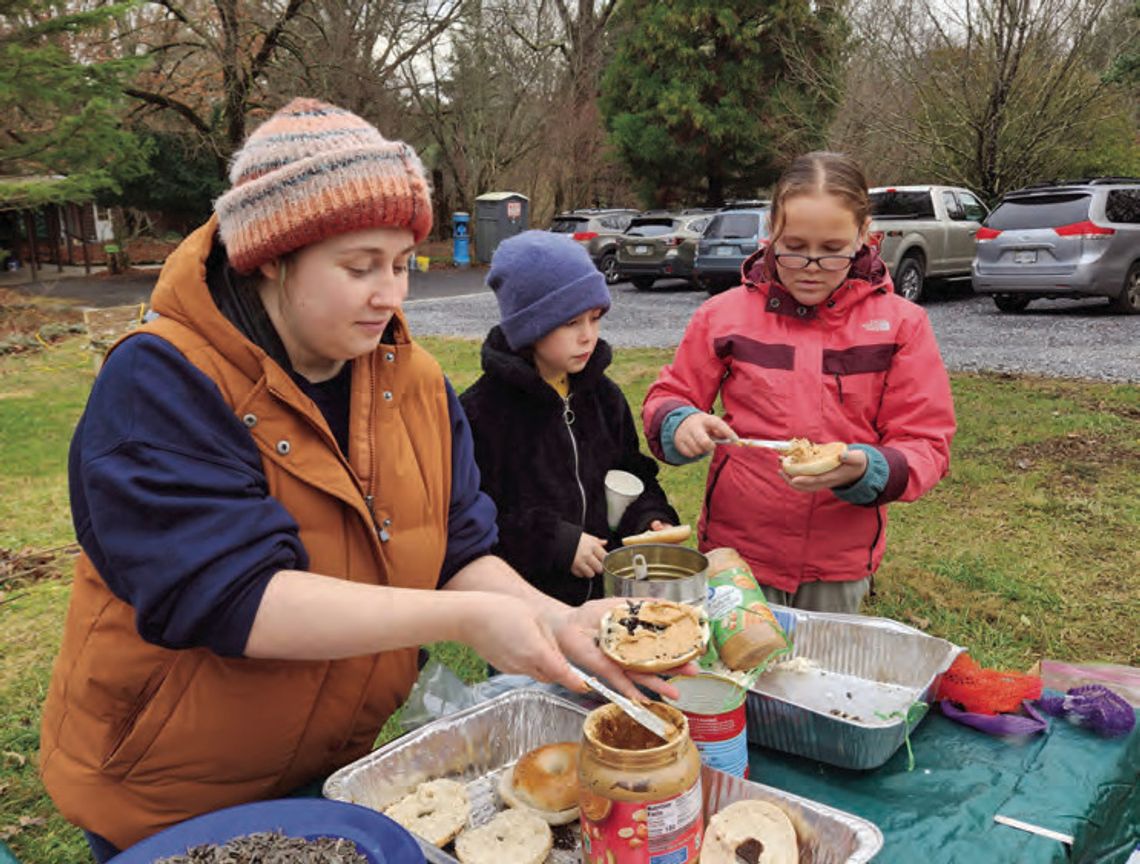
{"x": 832, "y": 263}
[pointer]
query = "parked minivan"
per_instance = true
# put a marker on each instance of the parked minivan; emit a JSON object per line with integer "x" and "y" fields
{"x": 1064, "y": 239}
{"x": 598, "y": 231}
{"x": 729, "y": 239}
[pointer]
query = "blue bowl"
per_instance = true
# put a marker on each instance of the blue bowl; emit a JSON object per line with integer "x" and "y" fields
{"x": 377, "y": 837}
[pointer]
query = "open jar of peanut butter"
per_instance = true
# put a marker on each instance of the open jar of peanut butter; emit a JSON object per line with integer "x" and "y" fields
{"x": 639, "y": 796}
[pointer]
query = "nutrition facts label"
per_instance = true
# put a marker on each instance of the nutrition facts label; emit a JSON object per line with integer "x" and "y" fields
{"x": 670, "y": 821}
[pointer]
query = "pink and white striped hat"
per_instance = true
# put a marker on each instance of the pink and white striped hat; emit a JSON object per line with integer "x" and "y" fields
{"x": 312, "y": 171}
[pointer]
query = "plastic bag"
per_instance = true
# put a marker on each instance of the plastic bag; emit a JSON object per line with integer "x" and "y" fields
{"x": 439, "y": 692}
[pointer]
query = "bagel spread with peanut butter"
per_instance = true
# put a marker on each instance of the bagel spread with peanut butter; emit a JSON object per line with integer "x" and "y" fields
{"x": 653, "y": 635}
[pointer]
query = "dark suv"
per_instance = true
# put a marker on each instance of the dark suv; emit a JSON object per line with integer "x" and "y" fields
{"x": 598, "y": 231}
{"x": 1074, "y": 238}
{"x": 729, "y": 239}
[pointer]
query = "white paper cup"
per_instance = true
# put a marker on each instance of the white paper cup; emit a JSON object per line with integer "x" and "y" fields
{"x": 622, "y": 489}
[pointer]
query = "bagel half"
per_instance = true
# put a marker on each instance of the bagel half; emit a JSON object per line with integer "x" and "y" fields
{"x": 672, "y": 534}
{"x": 436, "y": 810}
{"x": 545, "y": 782}
{"x": 752, "y": 831}
{"x": 515, "y": 836}
{"x": 807, "y": 459}
{"x": 653, "y": 635}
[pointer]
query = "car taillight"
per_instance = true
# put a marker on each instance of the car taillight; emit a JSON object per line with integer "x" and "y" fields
{"x": 585, "y": 235}
{"x": 986, "y": 234}
{"x": 673, "y": 241}
{"x": 1084, "y": 229}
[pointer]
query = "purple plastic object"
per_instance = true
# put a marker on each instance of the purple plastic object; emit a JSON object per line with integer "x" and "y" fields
{"x": 998, "y": 724}
{"x": 1095, "y": 706}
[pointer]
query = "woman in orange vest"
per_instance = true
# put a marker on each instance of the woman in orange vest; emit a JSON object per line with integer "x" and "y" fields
{"x": 276, "y": 498}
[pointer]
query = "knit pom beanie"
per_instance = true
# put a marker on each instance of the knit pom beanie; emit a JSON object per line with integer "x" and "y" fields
{"x": 542, "y": 280}
{"x": 312, "y": 171}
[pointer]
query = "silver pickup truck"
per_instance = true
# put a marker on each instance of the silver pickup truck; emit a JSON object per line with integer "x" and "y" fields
{"x": 925, "y": 232}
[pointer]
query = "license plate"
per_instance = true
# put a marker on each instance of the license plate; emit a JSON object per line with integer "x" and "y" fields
{"x": 1025, "y": 256}
{"x": 725, "y": 251}
{"x": 640, "y": 250}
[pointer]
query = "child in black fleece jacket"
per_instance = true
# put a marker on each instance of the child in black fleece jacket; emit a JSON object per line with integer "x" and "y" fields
{"x": 548, "y": 424}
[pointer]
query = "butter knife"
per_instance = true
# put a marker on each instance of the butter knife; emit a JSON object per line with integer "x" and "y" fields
{"x": 756, "y": 442}
{"x": 642, "y": 715}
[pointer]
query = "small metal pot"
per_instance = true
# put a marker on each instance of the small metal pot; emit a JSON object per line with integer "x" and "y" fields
{"x": 672, "y": 573}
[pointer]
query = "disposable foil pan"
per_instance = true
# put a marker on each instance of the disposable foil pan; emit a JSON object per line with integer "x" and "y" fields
{"x": 476, "y": 745}
{"x": 849, "y": 693}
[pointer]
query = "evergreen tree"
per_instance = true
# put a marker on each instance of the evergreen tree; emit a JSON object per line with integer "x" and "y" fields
{"x": 62, "y": 137}
{"x": 703, "y": 100}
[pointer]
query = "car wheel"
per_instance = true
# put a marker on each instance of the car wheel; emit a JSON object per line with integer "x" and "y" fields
{"x": 909, "y": 280}
{"x": 643, "y": 283}
{"x": 1011, "y": 302}
{"x": 1128, "y": 303}
{"x": 609, "y": 267}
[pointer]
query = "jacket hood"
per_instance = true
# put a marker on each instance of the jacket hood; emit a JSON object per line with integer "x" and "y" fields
{"x": 868, "y": 273}
{"x": 509, "y": 366}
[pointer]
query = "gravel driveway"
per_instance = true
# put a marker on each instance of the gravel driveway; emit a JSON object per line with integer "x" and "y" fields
{"x": 1060, "y": 338}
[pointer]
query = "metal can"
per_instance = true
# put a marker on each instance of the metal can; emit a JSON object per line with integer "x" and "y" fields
{"x": 717, "y": 719}
{"x": 639, "y": 797}
{"x": 670, "y": 573}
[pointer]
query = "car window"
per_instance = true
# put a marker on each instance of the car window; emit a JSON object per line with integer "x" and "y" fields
{"x": 567, "y": 226}
{"x": 623, "y": 222}
{"x": 953, "y": 208}
{"x": 1040, "y": 211}
{"x": 610, "y": 223}
{"x": 1123, "y": 205}
{"x": 975, "y": 209}
{"x": 650, "y": 227}
{"x": 699, "y": 225}
{"x": 898, "y": 204}
{"x": 727, "y": 226}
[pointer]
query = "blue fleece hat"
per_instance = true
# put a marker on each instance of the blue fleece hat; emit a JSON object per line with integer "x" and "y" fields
{"x": 542, "y": 280}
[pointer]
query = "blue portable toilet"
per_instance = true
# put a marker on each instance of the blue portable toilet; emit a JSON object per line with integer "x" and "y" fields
{"x": 498, "y": 215}
{"x": 461, "y": 239}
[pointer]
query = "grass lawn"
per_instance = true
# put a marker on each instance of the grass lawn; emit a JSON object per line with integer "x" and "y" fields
{"x": 1027, "y": 550}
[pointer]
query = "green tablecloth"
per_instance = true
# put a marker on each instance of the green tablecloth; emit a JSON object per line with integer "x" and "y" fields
{"x": 1068, "y": 779}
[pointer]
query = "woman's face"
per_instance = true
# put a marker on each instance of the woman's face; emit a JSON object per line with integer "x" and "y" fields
{"x": 567, "y": 349}
{"x": 816, "y": 225}
{"x": 331, "y": 301}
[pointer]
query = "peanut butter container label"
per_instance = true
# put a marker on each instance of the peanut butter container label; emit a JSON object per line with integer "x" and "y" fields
{"x": 621, "y": 832}
{"x": 736, "y": 606}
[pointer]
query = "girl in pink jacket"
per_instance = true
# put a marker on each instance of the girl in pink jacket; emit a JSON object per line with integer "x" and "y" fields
{"x": 814, "y": 344}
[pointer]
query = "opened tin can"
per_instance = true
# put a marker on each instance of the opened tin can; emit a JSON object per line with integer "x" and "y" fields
{"x": 658, "y": 570}
{"x": 718, "y": 720}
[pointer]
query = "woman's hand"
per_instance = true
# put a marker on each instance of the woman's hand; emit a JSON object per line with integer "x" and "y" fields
{"x": 576, "y": 631}
{"x": 514, "y": 636}
{"x": 694, "y": 437}
{"x": 588, "y": 559}
{"x": 852, "y": 467}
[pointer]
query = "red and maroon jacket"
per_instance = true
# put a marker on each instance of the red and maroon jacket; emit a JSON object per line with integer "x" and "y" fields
{"x": 862, "y": 367}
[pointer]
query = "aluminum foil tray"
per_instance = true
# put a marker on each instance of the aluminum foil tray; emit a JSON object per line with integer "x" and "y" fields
{"x": 847, "y": 694}
{"x": 476, "y": 745}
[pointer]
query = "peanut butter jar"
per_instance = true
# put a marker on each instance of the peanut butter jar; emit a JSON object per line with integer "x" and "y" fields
{"x": 639, "y": 796}
{"x": 745, "y": 632}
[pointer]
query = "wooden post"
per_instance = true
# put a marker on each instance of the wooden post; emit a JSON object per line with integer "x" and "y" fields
{"x": 52, "y": 214}
{"x": 30, "y": 225}
{"x": 67, "y": 232}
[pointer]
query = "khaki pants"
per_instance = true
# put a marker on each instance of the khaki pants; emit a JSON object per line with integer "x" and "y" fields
{"x": 822, "y": 596}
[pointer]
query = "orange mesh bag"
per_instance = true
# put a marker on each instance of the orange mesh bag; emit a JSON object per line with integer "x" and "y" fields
{"x": 986, "y": 691}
